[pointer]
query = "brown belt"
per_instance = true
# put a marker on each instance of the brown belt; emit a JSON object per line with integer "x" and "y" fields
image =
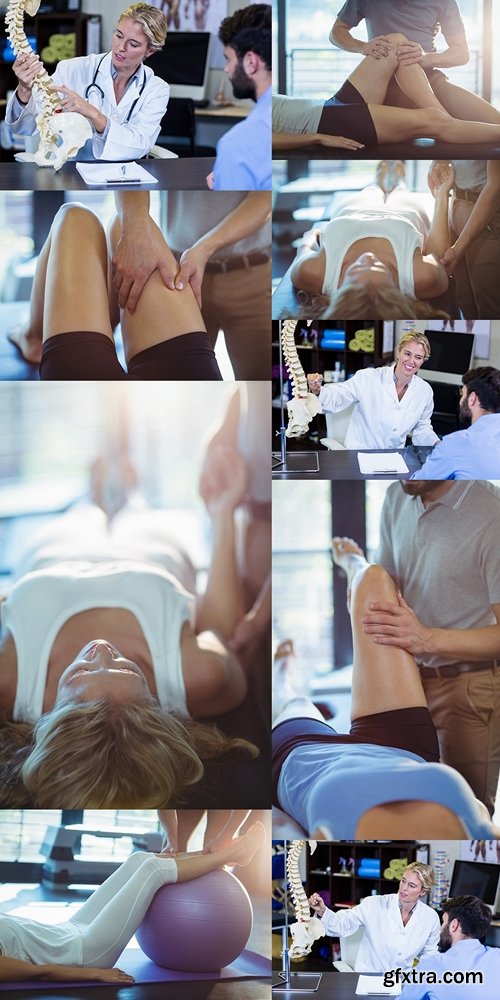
{"x": 465, "y": 195}
{"x": 238, "y": 263}
{"x": 454, "y": 669}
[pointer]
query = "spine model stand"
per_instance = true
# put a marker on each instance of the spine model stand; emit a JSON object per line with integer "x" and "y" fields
{"x": 307, "y": 929}
{"x": 303, "y": 405}
{"x": 62, "y": 133}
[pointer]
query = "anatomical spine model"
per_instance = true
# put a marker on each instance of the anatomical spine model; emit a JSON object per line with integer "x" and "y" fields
{"x": 303, "y": 405}
{"x": 53, "y": 124}
{"x": 307, "y": 929}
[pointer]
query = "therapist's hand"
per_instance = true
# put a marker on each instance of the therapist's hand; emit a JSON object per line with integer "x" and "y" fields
{"x": 317, "y": 903}
{"x": 411, "y": 54}
{"x": 378, "y": 47}
{"x": 391, "y": 624}
{"x": 192, "y": 270}
{"x": 450, "y": 259}
{"x": 314, "y": 382}
{"x": 139, "y": 252}
{"x": 26, "y": 67}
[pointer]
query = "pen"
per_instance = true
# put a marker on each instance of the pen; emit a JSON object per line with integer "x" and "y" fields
{"x": 124, "y": 169}
{"x": 123, "y": 180}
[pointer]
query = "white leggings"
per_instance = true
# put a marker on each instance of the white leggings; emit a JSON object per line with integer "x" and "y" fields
{"x": 112, "y": 914}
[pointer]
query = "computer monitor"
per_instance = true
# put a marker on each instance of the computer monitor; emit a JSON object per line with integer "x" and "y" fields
{"x": 451, "y": 356}
{"x": 477, "y": 878}
{"x": 184, "y": 63}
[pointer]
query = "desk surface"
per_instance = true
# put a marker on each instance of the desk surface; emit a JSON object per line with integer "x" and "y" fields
{"x": 183, "y": 174}
{"x": 333, "y": 986}
{"x": 231, "y": 111}
{"x": 344, "y": 464}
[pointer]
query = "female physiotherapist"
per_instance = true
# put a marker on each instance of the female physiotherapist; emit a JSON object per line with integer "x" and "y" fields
{"x": 399, "y": 927}
{"x": 391, "y": 401}
{"x": 122, "y": 99}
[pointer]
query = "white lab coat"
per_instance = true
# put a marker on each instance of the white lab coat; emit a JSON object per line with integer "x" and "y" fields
{"x": 387, "y": 943}
{"x": 124, "y": 141}
{"x": 380, "y": 419}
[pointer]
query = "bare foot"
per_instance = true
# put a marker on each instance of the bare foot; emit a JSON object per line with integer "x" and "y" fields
{"x": 389, "y": 174}
{"x": 27, "y": 344}
{"x": 348, "y": 555}
{"x": 244, "y": 848}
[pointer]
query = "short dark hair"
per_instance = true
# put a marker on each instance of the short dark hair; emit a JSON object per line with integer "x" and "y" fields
{"x": 249, "y": 30}
{"x": 472, "y": 914}
{"x": 485, "y": 382}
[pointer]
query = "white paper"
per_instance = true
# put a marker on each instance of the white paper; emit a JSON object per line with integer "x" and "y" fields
{"x": 112, "y": 173}
{"x": 373, "y": 986}
{"x": 371, "y": 462}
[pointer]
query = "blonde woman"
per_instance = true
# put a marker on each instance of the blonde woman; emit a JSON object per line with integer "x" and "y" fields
{"x": 379, "y": 256}
{"x": 86, "y": 947}
{"x": 392, "y": 402}
{"x": 414, "y": 926}
{"x": 121, "y": 97}
{"x": 108, "y": 662}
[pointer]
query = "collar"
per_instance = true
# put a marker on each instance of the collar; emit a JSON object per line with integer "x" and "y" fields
{"x": 395, "y": 379}
{"x": 453, "y": 497}
{"x": 114, "y": 72}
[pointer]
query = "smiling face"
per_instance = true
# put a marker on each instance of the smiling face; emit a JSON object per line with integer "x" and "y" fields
{"x": 409, "y": 359}
{"x": 367, "y": 269}
{"x": 100, "y": 671}
{"x": 129, "y": 46}
{"x": 410, "y": 889}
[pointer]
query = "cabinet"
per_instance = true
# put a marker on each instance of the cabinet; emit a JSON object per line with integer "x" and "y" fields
{"x": 366, "y": 351}
{"x": 41, "y": 28}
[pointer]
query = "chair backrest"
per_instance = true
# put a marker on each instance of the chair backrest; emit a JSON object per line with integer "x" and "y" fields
{"x": 179, "y": 120}
{"x": 349, "y": 946}
{"x": 337, "y": 423}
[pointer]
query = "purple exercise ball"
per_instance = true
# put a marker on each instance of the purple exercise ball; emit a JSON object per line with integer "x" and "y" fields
{"x": 197, "y": 926}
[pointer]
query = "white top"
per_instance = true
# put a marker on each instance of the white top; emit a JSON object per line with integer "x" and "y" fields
{"x": 42, "y": 601}
{"x": 405, "y": 232}
{"x": 296, "y": 115}
{"x": 40, "y": 944}
{"x": 124, "y": 140}
{"x": 381, "y": 420}
{"x": 387, "y": 943}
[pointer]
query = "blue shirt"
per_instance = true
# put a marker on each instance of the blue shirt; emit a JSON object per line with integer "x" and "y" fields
{"x": 465, "y": 956}
{"x": 244, "y": 160}
{"x": 469, "y": 454}
{"x": 419, "y": 20}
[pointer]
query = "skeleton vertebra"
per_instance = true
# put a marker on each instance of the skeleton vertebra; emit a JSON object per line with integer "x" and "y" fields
{"x": 307, "y": 929}
{"x": 61, "y": 134}
{"x": 304, "y": 405}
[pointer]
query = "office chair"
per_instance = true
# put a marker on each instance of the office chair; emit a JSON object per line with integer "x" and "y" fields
{"x": 179, "y": 123}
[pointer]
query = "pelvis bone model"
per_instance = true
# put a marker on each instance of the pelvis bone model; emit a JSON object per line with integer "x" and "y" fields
{"x": 62, "y": 134}
{"x": 303, "y": 405}
{"x": 307, "y": 929}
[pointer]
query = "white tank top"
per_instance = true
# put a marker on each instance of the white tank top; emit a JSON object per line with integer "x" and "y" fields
{"x": 404, "y": 232}
{"x": 41, "y": 602}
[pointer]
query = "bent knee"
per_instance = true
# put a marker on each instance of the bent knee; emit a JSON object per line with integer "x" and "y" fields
{"x": 434, "y": 119}
{"x": 373, "y": 583}
{"x": 77, "y": 216}
{"x": 396, "y": 37}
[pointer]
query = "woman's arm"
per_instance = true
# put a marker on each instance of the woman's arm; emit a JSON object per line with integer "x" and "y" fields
{"x": 15, "y": 970}
{"x": 438, "y": 238}
{"x": 308, "y": 269}
{"x": 283, "y": 141}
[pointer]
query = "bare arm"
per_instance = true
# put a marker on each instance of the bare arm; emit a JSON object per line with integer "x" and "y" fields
{"x": 246, "y": 218}
{"x": 169, "y": 824}
{"x": 14, "y": 970}
{"x": 308, "y": 268}
{"x": 484, "y": 209}
{"x": 340, "y": 35}
{"x": 215, "y": 680}
{"x": 297, "y": 140}
{"x": 457, "y": 54}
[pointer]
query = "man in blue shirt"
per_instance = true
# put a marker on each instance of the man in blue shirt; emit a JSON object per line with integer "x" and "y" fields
{"x": 420, "y": 21}
{"x": 465, "y": 969}
{"x": 244, "y": 153}
{"x": 472, "y": 453}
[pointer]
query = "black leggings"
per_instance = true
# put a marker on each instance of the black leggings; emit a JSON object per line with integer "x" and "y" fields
{"x": 347, "y": 114}
{"x": 410, "y": 729}
{"x": 92, "y": 357}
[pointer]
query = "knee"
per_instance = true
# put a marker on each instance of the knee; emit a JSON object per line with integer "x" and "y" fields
{"x": 373, "y": 583}
{"x": 396, "y": 38}
{"x": 434, "y": 120}
{"x": 76, "y": 218}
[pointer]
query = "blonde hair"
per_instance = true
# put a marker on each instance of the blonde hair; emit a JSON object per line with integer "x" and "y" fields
{"x": 424, "y": 873}
{"x": 355, "y": 301}
{"x": 105, "y": 755}
{"x": 417, "y": 338}
{"x": 152, "y": 22}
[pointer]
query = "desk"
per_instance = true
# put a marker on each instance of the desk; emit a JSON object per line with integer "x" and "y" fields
{"x": 186, "y": 174}
{"x": 333, "y": 986}
{"x": 344, "y": 465}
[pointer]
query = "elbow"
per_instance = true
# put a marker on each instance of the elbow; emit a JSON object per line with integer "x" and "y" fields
{"x": 461, "y": 56}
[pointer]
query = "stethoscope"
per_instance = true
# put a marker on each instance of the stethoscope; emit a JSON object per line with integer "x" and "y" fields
{"x": 95, "y": 86}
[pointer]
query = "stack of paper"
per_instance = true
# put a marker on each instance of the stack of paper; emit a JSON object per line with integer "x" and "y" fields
{"x": 373, "y": 986}
{"x": 372, "y": 462}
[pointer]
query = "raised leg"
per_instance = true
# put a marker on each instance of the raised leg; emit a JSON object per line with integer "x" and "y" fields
{"x": 462, "y": 104}
{"x": 161, "y": 313}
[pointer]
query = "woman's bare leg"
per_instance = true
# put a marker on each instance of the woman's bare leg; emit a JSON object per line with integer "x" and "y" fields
{"x": 161, "y": 313}
{"x": 371, "y": 78}
{"x": 239, "y": 852}
{"x": 394, "y": 124}
{"x": 384, "y": 678}
{"x": 28, "y": 337}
